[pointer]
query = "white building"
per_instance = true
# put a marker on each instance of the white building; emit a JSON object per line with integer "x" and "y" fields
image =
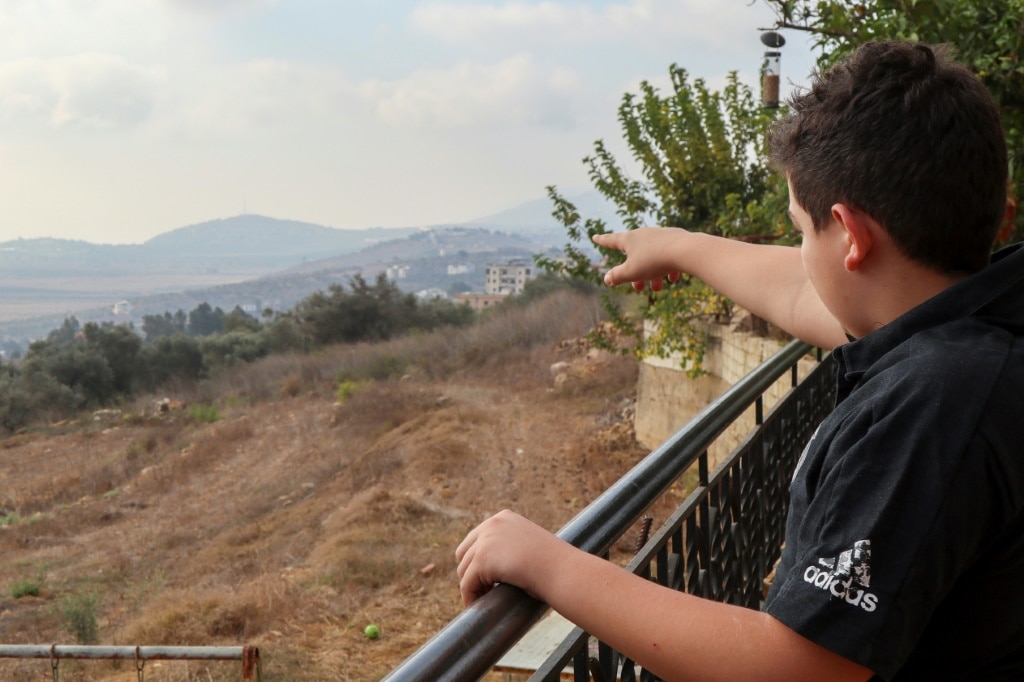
{"x": 428, "y": 294}
{"x": 509, "y": 277}
{"x": 396, "y": 272}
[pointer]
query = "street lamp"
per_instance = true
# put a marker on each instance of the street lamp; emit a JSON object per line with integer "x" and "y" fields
{"x": 772, "y": 69}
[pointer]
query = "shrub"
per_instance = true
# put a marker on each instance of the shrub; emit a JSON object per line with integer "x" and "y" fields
{"x": 78, "y": 612}
{"x": 174, "y": 357}
{"x": 346, "y": 389}
{"x": 225, "y": 350}
{"x": 204, "y": 413}
{"x": 283, "y": 335}
{"x": 26, "y": 588}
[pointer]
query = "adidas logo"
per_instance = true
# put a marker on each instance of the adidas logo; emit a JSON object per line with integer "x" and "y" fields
{"x": 846, "y": 577}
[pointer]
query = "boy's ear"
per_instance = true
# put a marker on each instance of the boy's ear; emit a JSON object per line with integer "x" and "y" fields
{"x": 858, "y": 233}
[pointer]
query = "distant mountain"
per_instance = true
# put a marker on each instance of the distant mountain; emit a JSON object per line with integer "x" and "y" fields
{"x": 440, "y": 258}
{"x": 254, "y": 245}
{"x": 244, "y": 245}
{"x": 46, "y": 257}
{"x": 258, "y": 260}
{"x": 264, "y": 242}
{"x": 447, "y": 243}
{"x": 49, "y": 247}
{"x": 535, "y": 216}
{"x": 430, "y": 259}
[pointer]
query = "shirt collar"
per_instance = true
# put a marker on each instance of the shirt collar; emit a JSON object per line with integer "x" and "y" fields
{"x": 979, "y": 292}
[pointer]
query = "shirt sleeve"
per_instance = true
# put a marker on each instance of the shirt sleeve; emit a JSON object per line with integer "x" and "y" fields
{"x": 885, "y": 516}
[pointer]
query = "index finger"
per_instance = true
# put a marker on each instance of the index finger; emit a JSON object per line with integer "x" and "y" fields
{"x": 611, "y": 240}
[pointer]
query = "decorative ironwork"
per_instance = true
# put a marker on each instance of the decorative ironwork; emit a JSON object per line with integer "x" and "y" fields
{"x": 720, "y": 543}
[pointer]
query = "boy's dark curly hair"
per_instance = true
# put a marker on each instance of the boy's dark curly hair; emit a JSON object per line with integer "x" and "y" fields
{"x": 910, "y": 137}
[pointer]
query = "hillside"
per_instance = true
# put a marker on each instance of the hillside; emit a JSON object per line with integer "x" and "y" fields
{"x": 261, "y": 242}
{"x": 292, "y": 522}
{"x": 256, "y": 260}
{"x": 244, "y": 244}
{"x": 33, "y": 304}
{"x": 42, "y": 281}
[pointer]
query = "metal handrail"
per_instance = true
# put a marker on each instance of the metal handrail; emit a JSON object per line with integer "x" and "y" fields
{"x": 472, "y": 643}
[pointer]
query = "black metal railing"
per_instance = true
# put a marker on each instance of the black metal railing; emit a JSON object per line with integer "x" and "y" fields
{"x": 720, "y": 544}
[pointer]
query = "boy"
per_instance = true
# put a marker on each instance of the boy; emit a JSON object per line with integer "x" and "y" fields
{"x": 904, "y": 554}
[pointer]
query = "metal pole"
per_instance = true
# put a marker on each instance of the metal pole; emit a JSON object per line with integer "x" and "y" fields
{"x": 248, "y": 655}
{"x": 145, "y": 653}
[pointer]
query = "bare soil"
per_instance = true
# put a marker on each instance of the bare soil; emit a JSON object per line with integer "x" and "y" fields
{"x": 293, "y": 522}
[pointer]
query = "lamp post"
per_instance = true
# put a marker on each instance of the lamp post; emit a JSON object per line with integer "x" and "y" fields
{"x": 772, "y": 69}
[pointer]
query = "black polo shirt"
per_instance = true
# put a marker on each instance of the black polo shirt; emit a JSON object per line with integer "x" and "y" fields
{"x": 905, "y": 536}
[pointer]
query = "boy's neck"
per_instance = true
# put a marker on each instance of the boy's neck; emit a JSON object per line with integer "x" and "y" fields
{"x": 900, "y": 286}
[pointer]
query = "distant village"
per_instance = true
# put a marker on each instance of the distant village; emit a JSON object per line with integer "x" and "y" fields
{"x": 501, "y": 279}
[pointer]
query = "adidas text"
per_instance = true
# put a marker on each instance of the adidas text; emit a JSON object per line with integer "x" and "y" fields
{"x": 856, "y": 596}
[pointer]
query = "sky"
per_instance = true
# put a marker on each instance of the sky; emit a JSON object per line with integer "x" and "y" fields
{"x": 124, "y": 119}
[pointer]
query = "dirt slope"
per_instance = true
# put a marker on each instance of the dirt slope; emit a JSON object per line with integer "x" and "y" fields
{"x": 293, "y": 522}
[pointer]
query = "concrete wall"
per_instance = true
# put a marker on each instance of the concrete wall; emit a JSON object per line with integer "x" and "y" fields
{"x": 667, "y": 399}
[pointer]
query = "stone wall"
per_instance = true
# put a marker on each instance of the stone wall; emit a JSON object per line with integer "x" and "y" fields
{"x": 667, "y": 399}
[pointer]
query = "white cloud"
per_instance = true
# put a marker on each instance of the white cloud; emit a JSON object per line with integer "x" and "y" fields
{"x": 514, "y": 91}
{"x": 219, "y": 6}
{"x": 637, "y": 22}
{"x": 102, "y": 91}
{"x": 264, "y": 97}
{"x": 484, "y": 23}
{"x": 97, "y": 91}
{"x": 39, "y": 29}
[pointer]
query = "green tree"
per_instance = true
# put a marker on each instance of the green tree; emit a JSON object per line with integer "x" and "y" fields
{"x": 121, "y": 349}
{"x": 204, "y": 320}
{"x": 284, "y": 334}
{"x": 69, "y": 377}
{"x": 230, "y": 348}
{"x": 239, "y": 320}
{"x": 702, "y": 167}
{"x": 173, "y": 357}
{"x": 989, "y": 37}
{"x": 364, "y": 312}
{"x": 16, "y": 408}
{"x": 67, "y": 332}
{"x": 155, "y": 326}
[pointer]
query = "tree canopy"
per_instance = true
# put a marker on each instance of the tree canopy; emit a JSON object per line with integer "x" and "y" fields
{"x": 701, "y": 166}
{"x": 85, "y": 367}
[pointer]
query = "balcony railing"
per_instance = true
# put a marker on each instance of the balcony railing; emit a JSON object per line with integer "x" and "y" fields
{"x": 721, "y": 543}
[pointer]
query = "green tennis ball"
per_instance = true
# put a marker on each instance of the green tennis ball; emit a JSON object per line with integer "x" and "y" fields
{"x": 372, "y": 631}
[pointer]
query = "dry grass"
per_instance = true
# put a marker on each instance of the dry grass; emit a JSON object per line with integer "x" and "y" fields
{"x": 294, "y": 521}
{"x": 506, "y": 338}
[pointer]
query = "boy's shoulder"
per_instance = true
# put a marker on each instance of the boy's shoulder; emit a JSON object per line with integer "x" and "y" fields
{"x": 952, "y": 371}
{"x": 964, "y": 343}
{"x": 941, "y": 392}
